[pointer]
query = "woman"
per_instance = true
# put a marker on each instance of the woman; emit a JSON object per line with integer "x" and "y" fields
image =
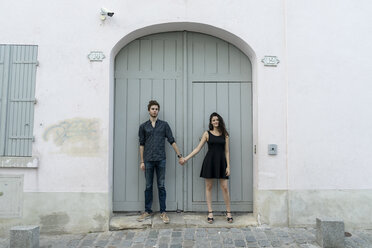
{"x": 216, "y": 163}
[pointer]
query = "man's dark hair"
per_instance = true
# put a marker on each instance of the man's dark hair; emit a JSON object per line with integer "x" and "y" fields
{"x": 152, "y": 103}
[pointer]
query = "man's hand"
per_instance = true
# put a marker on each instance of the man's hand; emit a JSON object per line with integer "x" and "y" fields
{"x": 142, "y": 166}
{"x": 182, "y": 161}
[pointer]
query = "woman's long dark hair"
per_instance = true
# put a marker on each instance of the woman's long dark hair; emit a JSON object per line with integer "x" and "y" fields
{"x": 221, "y": 125}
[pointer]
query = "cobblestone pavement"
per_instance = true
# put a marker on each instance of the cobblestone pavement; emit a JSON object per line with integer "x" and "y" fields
{"x": 199, "y": 237}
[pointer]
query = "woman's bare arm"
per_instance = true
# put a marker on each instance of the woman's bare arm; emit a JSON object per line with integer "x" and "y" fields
{"x": 199, "y": 147}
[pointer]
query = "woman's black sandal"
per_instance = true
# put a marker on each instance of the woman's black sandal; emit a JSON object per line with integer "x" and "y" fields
{"x": 210, "y": 219}
{"x": 229, "y": 219}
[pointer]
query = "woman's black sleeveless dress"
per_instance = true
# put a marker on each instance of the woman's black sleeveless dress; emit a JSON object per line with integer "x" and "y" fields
{"x": 214, "y": 164}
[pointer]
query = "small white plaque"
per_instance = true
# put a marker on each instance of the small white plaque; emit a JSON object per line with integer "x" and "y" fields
{"x": 96, "y": 56}
{"x": 270, "y": 61}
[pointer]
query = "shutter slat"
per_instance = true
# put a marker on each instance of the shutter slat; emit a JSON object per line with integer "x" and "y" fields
{"x": 21, "y": 101}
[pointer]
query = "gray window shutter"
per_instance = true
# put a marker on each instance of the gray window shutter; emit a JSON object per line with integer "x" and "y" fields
{"x": 20, "y": 100}
{"x": 4, "y": 74}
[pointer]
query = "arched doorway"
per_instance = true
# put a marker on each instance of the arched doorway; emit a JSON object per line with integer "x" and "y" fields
{"x": 191, "y": 75}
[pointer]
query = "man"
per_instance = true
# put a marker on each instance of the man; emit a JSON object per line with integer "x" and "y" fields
{"x": 152, "y": 134}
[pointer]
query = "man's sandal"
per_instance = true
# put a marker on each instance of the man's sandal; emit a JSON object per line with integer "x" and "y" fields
{"x": 229, "y": 219}
{"x": 210, "y": 219}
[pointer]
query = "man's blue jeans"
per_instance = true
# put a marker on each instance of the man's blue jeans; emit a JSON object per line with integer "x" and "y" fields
{"x": 159, "y": 167}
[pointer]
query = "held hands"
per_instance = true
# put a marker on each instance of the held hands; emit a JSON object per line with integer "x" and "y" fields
{"x": 182, "y": 161}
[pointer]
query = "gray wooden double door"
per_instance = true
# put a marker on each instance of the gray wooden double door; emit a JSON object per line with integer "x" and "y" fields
{"x": 191, "y": 75}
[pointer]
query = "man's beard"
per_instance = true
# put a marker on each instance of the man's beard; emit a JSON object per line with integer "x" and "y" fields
{"x": 154, "y": 115}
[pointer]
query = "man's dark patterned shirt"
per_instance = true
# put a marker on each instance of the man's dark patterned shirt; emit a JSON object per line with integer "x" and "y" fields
{"x": 153, "y": 139}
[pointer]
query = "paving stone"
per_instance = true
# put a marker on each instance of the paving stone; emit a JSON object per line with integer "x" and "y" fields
{"x": 282, "y": 234}
{"x": 163, "y": 246}
{"x": 228, "y": 241}
{"x": 126, "y": 243}
{"x": 301, "y": 240}
{"x": 240, "y": 243}
{"x": 198, "y": 238}
{"x": 139, "y": 239}
{"x": 237, "y": 236}
{"x": 73, "y": 243}
{"x": 189, "y": 230}
{"x": 150, "y": 242}
{"x": 360, "y": 242}
{"x": 119, "y": 234}
{"x": 129, "y": 236}
{"x": 142, "y": 233}
{"x": 286, "y": 240}
{"x": 176, "y": 240}
{"x": 138, "y": 246}
{"x": 201, "y": 234}
{"x": 250, "y": 238}
{"x": 188, "y": 243}
{"x": 276, "y": 243}
{"x": 176, "y": 246}
{"x": 272, "y": 237}
{"x": 235, "y": 230}
{"x": 253, "y": 244}
{"x": 164, "y": 240}
{"x": 248, "y": 233}
{"x": 176, "y": 234}
{"x": 115, "y": 242}
{"x": 260, "y": 236}
{"x": 264, "y": 243}
{"x": 214, "y": 237}
{"x": 229, "y": 246}
{"x": 212, "y": 230}
{"x": 165, "y": 232}
{"x": 364, "y": 235}
{"x": 216, "y": 244}
{"x": 87, "y": 242}
{"x": 269, "y": 232}
{"x": 246, "y": 229}
{"x": 188, "y": 236}
{"x": 101, "y": 243}
{"x": 202, "y": 245}
{"x": 153, "y": 233}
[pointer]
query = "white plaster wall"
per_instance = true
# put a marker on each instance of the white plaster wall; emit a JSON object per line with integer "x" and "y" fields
{"x": 329, "y": 96}
{"x": 69, "y": 86}
{"x": 325, "y": 86}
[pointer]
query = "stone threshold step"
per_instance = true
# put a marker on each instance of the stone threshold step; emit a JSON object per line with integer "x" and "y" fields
{"x": 180, "y": 220}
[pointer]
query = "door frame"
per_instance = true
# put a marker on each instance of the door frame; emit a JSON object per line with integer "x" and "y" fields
{"x": 225, "y": 35}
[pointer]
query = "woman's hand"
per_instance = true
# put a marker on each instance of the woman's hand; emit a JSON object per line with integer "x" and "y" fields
{"x": 228, "y": 171}
{"x": 182, "y": 161}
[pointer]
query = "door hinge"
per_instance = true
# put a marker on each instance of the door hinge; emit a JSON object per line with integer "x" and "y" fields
{"x": 255, "y": 149}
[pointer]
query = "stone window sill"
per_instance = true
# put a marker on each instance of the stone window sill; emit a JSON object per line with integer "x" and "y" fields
{"x": 19, "y": 162}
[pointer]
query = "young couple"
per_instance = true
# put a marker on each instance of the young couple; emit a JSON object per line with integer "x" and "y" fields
{"x": 216, "y": 164}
